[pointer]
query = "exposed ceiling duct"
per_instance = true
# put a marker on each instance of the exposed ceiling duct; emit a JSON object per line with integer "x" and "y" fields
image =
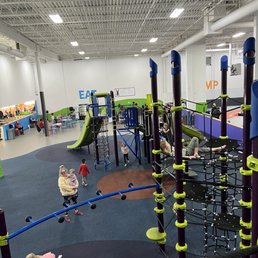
{"x": 228, "y": 20}
{"x": 113, "y": 29}
{"x": 12, "y": 52}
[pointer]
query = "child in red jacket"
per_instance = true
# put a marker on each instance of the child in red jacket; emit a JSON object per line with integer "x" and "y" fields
{"x": 84, "y": 172}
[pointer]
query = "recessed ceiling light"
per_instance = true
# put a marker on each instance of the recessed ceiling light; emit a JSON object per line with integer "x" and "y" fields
{"x": 221, "y": 45}
{"x": 136, "y": 54}
{"x": 152, "y": 40}
{"x": 81, "y": 52}
{"x": 87, "y": 57}
{"x": 56, "y": 18}
{"x": 176, "y": 12}
{"x": 74, "y": 43}
{"x": 144, "y": 50}
{"x": 217, "y": 50}
{"x": 239, "y": 34}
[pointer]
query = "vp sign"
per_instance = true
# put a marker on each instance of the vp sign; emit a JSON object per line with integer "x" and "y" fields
{"x": 84, "y": 94}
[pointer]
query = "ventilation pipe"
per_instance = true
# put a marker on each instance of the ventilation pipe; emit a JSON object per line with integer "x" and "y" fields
{"x": 218, "y": 25}
{"x": 235, "y": 16}
{"x": 12, "y": 52}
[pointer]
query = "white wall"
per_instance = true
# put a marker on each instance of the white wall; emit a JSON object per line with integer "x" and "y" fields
{"x": 235, "y": 83}
{"x": 63, "y": 80}
{"x": 17, "y": 81}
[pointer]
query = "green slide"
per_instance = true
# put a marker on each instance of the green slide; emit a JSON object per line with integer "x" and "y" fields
{"x": 189, "y": 131}
{"x": 192, "y": 132}
{"x": 87, "y": 133}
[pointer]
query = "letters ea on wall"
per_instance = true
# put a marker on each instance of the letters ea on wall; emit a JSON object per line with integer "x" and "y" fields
{"x": 84, "y": 94}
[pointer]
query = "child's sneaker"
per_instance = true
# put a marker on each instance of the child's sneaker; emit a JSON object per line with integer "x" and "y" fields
{"x": 77, "y": 212}
{"x": 67, "y": 218}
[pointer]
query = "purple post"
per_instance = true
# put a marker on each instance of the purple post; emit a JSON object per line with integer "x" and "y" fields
{"x": 156, "y": 152}
{"x": 253, "y": 163}
{"x": 249, "y": 60}
{"x": 223, "y": 135}
{"x": 181, "y": 223}
{"x": 5, "y": 249}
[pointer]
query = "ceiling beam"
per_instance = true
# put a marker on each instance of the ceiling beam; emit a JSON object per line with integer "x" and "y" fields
{"x": 222, "y": 23}
{"x": 16, "y": 36}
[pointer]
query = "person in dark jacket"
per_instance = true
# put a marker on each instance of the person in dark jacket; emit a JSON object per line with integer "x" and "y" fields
{"x": 215, "y": 112}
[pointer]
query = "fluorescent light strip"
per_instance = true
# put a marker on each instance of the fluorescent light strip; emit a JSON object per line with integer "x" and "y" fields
{"x": 217, "y": 49}
{"x": 87, "y": 57}
{"x": 221, "y": 45}
{"x": 153, "y": 40}
{"x": 239, "y": 34}
{"x": 56, "y": 18}
{"x": 223, "y": 49}
{"x": 176, "y": 12}
{"x": 136, "y": 54}
{"x": 81, "y": 52}
{"x": 144, "y": 50}
{"x": 74, "y": 43}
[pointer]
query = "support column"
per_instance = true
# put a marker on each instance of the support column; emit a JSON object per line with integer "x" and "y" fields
{"x": 252, "y": 163}
{"x": 114, "y": 127}
{"x": 223, "y": 135}
{"x": 246, "y": 201}
{"x": 256, "y": 42}
{"x": 4, "y": 244}
{"x": 42, "y": 98}
{"x": 195, "y": 73}
{"x": 178, "y": 166}
{"x": 157, "y": 234}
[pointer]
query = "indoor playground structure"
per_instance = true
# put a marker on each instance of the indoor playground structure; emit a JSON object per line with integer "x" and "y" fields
{"x": 220, "y": 202}
{"x": 215, "y": 192}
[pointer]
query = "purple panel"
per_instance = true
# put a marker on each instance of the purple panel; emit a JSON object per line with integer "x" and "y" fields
{"x": 203, "y": 124}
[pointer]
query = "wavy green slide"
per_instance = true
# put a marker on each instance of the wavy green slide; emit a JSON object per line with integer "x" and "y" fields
{"x": 87, "y": 133}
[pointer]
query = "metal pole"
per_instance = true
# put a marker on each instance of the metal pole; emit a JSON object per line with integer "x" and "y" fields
{"x": 223, "y": 135}
{"x": 95, "y": 121}
{"x": 179, "y": 195}
{"x": 144, "y": 131}
{"x": 4, "y": 245}
{"x": 252, "y": 162}
{"x": 147, "y": 135}
{"x": 150, "y": 140}
{"x": 114, "y": 126}
{"x": 159, "y": 195}
{"x": 41, "y": 93}
{"x": 246, "y": 202}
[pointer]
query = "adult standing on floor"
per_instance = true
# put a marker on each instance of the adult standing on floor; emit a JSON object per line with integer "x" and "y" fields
{"x": 166, "y": 133}
{"x": 68, "y": 191}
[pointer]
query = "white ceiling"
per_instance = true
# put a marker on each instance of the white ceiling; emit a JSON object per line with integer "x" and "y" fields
{"x": 109, "y": 28}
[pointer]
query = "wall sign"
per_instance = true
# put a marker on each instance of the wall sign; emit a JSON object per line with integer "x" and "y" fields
{"x": 124, "y": 92}
{"x": 235, "y": 69}
{"x": 212, "y": 84}
{"x": 84, "y": 94}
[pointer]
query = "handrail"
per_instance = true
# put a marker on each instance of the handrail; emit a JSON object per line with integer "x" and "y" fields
{"x": 89, "y": 201}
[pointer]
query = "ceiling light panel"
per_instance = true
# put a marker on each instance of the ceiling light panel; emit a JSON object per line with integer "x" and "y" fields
{"x": 116, "y": 28}
{"x": 74, "y": 43}
{"x": 176, "y": 13}
{"x": 56, "y": 18}
{"x": 239, "y": 34}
